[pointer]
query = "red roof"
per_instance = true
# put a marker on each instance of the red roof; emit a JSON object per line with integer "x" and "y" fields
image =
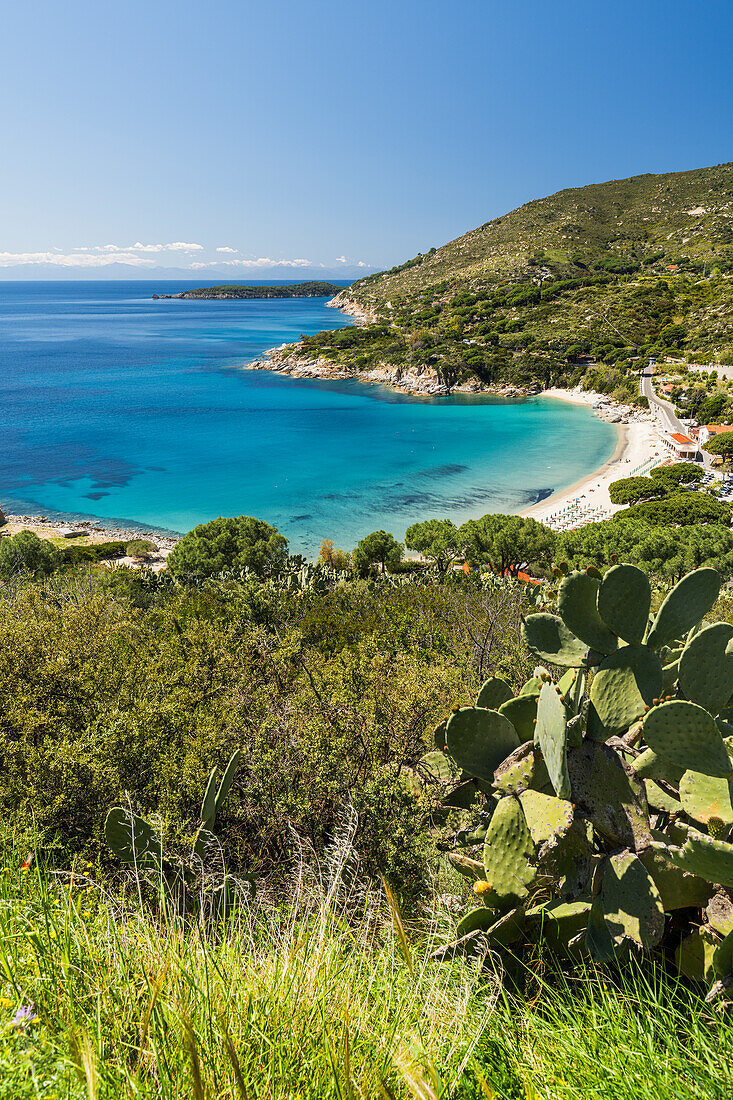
{"x": 716, "y": 429}
{"x": 679, "y": 438}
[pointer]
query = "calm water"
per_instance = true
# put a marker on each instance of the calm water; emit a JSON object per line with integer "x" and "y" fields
{"x": 135, "y": 411}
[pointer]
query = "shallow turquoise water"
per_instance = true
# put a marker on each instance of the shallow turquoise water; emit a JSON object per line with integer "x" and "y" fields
{"x": 135, "y": 411}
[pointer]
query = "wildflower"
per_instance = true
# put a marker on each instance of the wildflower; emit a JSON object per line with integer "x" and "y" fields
{"x": 25, "y": 1015}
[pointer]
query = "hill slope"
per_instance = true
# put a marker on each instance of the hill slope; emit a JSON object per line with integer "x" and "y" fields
{"x": 612, "y": 271}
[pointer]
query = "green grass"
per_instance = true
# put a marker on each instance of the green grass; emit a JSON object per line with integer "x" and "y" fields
{"x": 317, "y": 999}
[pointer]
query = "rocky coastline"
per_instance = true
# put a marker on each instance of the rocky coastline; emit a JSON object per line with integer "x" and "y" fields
{"x": 93, "y": 530}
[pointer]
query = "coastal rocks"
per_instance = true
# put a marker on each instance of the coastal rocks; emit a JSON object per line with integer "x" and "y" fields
{"x": 423, "y": 382}
{"x": 355, "y": 309}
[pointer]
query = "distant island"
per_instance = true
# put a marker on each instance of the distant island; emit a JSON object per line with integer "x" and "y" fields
{"x": 234, "y": 290}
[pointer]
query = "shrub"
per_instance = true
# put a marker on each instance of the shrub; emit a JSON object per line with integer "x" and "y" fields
{"x": 92, "y": 552}
{"x": 329, "y": 696}
{"x": 26, "y": 553}
{"x": 140, "y": 548}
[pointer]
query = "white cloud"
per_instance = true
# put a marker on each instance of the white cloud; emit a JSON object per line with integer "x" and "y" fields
{"x": 98, "y": 255}
{"x": 263, "y": 261}
{"x": 74, "y": 259}
{"x": 340, "y": 259}
{"x": 226, "y": 248}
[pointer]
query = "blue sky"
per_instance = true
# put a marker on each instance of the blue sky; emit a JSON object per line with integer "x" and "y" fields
{"x": 337, "y": 134}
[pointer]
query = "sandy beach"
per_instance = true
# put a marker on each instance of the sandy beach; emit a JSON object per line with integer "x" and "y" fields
{"x": 639, "y": 448}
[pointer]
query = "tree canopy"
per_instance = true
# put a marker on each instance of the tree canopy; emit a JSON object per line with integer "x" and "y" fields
{"x": 505, "y": 542}
{"x": 234, "y": 542}
{"x": 435, "y": 539}
{"x": 380, "y": 548}
{"x": 679, "y": 508}
{"x": 721, "y": 444}
{"x": 629, "y": 490}
{"x": 678, "y": 473}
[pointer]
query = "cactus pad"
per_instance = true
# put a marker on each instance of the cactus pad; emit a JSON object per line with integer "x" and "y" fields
{"x": 509, "y": 854}
{"x": 557, "y": 922}
{"x": 436, "y": 767}
{"x": 652, "y": 766}
{"x": 522, "y": 713}
{"x": 659, "y": 799}
{"x": 479, "y": 739}
{"x": 471, "y": 868}
{"x": 624, "y": 599}
{"x": 705, "y": 797}
{"x": 545, "y": 815}
{"x": 477, "y": 920}
{"x": 723, "y": 957}
{"x": 719, "y": 912}
{"x": 706, "y": 667}
{"x": 632, "y": 906}
{"x": 532, "y": 686}
{"x": 610, "y": 792}
{"x": 702, "y": 855}
{"x": 550, "y": 737}
{"x": 577, "y": 603}
{"x": 687, "y": 735}
{"x": 678, "y": 889}
{"x": 517, "y": 771}
{"x": 685, "y": 605}
{"x": 549, "y": 639}
{"x": 130, "y": 837}
{"x": 493, "y": 693}
{"x": 694, "y": 956}
{"x": 508, "y": 929}
{"x": 624, "y": 684}
{"x": 597, "y": 937}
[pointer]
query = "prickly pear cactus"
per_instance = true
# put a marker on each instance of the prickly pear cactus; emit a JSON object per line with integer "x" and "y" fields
{"x": 605, "y": 797}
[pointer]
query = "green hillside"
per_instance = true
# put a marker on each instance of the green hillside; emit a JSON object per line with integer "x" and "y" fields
{"x": 611, "y": 270}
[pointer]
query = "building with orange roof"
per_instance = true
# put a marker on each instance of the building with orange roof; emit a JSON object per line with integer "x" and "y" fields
{"x": 681, "y": 447}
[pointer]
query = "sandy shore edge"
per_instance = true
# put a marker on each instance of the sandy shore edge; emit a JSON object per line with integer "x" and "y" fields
{"x": 638, "y": 445}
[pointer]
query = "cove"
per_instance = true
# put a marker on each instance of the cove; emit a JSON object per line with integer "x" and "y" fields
{"x": 137, "y": 412}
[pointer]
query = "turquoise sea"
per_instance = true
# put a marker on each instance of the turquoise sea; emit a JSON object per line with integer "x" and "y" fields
{"x": 137, "y": 412}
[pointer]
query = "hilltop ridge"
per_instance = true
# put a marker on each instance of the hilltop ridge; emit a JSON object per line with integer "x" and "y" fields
{"x": 607, "y": 272}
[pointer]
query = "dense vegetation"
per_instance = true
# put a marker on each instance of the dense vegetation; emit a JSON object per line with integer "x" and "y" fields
{"x": 611, "y": 272}
{"x": 124, "y": 688}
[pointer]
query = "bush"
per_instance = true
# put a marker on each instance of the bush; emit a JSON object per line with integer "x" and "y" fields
{"x": 25, "y": 553}
{"x": 140, "y": 548}
{"x": 331, "y": 698}
{"x": 230, "y": 543}
{"x": 92, "y": 552}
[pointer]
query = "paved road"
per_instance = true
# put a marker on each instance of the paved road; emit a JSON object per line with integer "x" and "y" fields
{"x": 664, "y": 409}
{"x": 666, "y": 413}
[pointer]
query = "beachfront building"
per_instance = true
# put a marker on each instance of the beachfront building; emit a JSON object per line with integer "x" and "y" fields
{"x": 680, "y": 447}
{"x": 707, "y": 431}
